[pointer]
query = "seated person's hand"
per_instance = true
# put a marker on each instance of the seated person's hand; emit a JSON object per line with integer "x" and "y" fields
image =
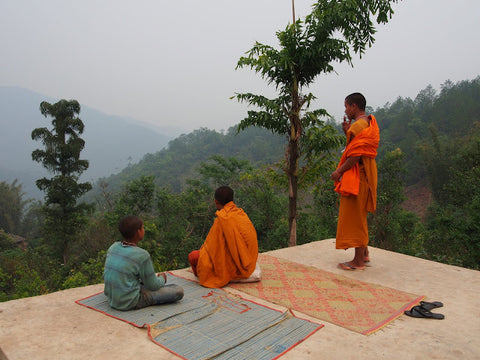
{"x": 162, "y": 274}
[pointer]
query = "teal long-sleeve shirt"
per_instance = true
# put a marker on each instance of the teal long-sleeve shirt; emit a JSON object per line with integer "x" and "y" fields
{"x": 126, "y": 268}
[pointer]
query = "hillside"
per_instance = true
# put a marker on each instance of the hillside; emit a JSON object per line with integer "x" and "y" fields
{"x": 418, "y": 199}
{"x": 179, "y": 161}
{"x": 406, "y": 123}
{"x": 410, "y": 124}
{"x": 106, "y": 138}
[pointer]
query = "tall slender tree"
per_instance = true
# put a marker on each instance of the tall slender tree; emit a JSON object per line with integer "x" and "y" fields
{"x": 307, "y": 49}
{"x": 61, "y": 157}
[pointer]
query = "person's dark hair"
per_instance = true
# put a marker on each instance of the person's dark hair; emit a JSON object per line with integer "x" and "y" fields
{"x": 224, "y": 194}
{"x": 129, "y": 225}
{"x": 357, "y": 99}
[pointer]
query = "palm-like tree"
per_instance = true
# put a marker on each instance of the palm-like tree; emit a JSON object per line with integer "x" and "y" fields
{"x": 61, "y": 156}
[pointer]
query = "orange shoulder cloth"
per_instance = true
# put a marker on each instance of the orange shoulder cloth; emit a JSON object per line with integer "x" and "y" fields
{"x": 230, "y": 250}
{"x": 365, "y": 143}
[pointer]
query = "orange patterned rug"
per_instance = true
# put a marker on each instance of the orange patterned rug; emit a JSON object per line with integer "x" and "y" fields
{"x": 356, "y": 305}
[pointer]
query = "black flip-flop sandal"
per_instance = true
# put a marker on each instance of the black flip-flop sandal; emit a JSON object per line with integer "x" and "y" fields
{"x": 430, "y": 305}
{"x": 419, "y": 312}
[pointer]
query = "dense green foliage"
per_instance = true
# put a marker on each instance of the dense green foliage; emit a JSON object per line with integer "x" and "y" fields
{"x": 11, "y": 207}
{"x": 440, "y": 137}
{"x": 307, "y": 49}
{"x": 410, "y": 124}
{"x": 179, "y": 161}
{"x": 61, "y": 157}
{"x": 391, "y": 227}
{"x": 453, "y": 225}
{"x": 177, "y": 221}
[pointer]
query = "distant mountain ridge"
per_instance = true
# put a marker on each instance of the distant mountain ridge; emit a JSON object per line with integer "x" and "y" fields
{"x": 111, "y": 142}
{"x": 172, "y": 166}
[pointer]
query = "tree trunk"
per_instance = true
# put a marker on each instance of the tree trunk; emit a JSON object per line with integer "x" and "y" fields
{"x": 293, "y": 156}
{"x": 292, "y": 191}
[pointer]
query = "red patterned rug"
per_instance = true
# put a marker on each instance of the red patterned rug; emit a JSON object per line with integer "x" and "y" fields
{"x": 356, "y": 305}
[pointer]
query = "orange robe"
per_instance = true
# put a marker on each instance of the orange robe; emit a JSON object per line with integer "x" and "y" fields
{"x": 358, "y": 185}
{"x": 230, "y": 250}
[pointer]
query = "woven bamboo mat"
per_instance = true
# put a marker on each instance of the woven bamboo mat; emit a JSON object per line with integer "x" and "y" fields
{"x": 212, "y": 323}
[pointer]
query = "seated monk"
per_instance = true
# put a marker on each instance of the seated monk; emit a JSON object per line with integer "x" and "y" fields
{"x": 230, "y": 250}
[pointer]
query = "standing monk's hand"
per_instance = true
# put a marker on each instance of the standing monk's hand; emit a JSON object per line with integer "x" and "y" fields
{"x": 336, "y": 175}
{"x": 346, "y": 124}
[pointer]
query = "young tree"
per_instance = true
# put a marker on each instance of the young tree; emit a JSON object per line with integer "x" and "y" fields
{"x": 61, "y": 157}
{"x": 307, "y": 49}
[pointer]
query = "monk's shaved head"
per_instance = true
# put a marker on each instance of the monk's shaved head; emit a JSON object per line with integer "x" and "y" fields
{"x": 224, "y": 194}
{"x": 357, "y": 99}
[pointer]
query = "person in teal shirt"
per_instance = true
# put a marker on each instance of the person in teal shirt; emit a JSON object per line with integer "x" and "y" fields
{"x": 130, "y": 280}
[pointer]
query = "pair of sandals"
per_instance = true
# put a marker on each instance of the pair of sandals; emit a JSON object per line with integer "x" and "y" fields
{"x": 423, "y": 310}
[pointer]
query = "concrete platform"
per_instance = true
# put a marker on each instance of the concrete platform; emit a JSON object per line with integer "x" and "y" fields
{"x": 54, "y": 327}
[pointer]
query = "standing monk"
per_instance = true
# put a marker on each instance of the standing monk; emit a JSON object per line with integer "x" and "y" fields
{"x": 356, "y": 180}
{"x": 230, "y": 250}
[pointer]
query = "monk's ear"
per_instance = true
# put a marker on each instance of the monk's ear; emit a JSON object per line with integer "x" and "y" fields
{"x": 218, "y": 205}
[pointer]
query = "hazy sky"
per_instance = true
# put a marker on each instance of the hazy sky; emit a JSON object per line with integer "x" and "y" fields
{"x": 173, "y": 63}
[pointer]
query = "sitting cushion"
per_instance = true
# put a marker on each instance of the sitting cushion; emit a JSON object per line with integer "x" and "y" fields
{"x": 256, "y": 276}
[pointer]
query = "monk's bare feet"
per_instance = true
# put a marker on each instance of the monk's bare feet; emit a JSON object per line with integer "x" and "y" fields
{"x": 350, "y": 266}
{"x": 366, "y": 257}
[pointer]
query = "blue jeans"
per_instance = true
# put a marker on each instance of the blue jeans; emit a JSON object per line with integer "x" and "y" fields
{"x": 166, "y": 294}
